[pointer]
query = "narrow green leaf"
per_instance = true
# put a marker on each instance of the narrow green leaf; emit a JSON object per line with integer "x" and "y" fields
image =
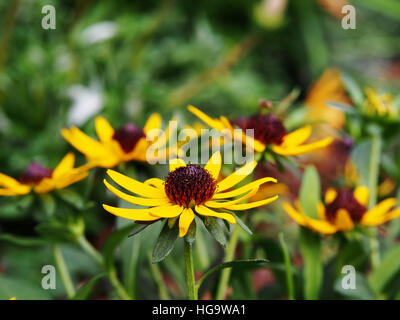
{"x": 191, "y": 234}
{"x": 165, "y": 242}
{"x": 355, "y": 92}
{"x": 72, "y": 198}
{"x": 113, "y": 242}
{"x": 310, "y": 247}
{"x": 342, "y": 107}
{"x": 214, "y": 228}
{"x": 310, "y": 192}
{"x": 242, "y": 224}
{"x": 23, "y": 241}
{"x": 140, "y": 228}
{"x": 84, "y": 292}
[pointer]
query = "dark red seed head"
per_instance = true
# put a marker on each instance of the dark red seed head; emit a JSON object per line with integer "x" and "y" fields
{"x": 128, "y": 136}
{"x": 345, "y": 200}
{"x": 268, "y": 129}
{"x": 35, "y": 173}
{"x": 190, "y": 185}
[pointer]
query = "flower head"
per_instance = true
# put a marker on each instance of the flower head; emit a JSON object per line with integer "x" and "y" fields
{"x": 380, "y": 104}
{"x": 343, "y": 210}
{"x": 188, "y": 190}
{"x": 268, "y": 131}
{"x": 42, "y": 179}
{"x": 115, "y": 146}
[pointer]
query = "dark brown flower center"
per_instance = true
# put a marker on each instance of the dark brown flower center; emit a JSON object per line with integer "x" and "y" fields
{"x": 35, "y": 173}
{"x": 345, "y": 200}
{"x": 190, "y": 185}
{"x": 128, "y": 136}
{"x": 268, "y": 129}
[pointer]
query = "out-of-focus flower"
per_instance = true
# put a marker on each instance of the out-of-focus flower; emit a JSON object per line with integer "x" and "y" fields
{"x": 333, "y": 7}
{"x": 187, "y": 190}
{"x": 42, "y": 179}
{"x": 328, "y": 87}
{"x": 268, "y": 131}
{"x": 380, "y": 104}
{"x": 343, "y": 210}
{"x": 116, "y": 146}
{"x": 270, "y": 14}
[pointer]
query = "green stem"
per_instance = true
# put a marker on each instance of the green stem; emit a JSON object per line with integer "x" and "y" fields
{"x": 98, "y": 258}
{"x": 229, "y": 256}
{"x": 288, "y": 266}
{"x": 162, "y": 289}
{"x": 376, "y": 145}
{"x": 62, "y": 268}
{"x": 190, "y": 280}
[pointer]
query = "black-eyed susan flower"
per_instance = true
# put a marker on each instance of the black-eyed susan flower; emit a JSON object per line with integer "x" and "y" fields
{"x": 268, "y": 131}
{"x": 116, "y": 146}
{"x": 343, "y": 210}
{"x": 43, "y": 180}
{"x": 188, "y": 190}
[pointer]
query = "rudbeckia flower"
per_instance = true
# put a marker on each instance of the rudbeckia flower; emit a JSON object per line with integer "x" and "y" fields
{"x": 187, "y": 190}
{"x": 43, "y": 180}
{"x": 115, "y": 146}
{"x": 343, "y": 210}
{"x": 268, "y": 131}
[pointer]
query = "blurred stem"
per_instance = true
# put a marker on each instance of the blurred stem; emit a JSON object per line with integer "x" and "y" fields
{"x": 201, "y": 251}
{"x": 190, "y": 280}
{"x": 155, "y": 271}
{"x": 288, "y": 266}
{"x": 376, "y": 146}
{"x": 229, "y": 256}
{"x": 62, "y": 268}
{"x": 96, "y": 256}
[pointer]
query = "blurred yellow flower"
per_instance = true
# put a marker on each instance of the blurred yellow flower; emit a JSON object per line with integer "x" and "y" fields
{"x": 380, "y": 104}
{"x": 42, "y": 179}
{"x": 268, "y": 131}
{"x": 344, "y": 209}
{"x": 116, "y": 146}
{"x": 187, "y": 190}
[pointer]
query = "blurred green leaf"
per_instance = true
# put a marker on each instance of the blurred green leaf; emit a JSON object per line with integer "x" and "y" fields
{"x": 191, "y": 234}
{"x": 214, "y": 228}
{"x": 310, "y": 192}
{"x": 84, "y": 292}
{"x": 22, "y": 241}
{"x": 21, "y": 289}
{"x": 165, "y": 242}
{"x": 355, "y": 92}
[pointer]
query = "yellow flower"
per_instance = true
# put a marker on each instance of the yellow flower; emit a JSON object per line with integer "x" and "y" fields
{"x": 380, "y": 104}
{"x": 116, "y": 146}
{"x": 344, "y": 209}
{"x": 43, "y": 180}
{"x": 187, "y": 190}
{"x": 268, "y": 130}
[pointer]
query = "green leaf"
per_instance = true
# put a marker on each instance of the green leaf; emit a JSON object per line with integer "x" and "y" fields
{"x": 242, "y": 224}
{"x": 22, "y": 241}
{"x": 48, "y": 203}
{"x": 72, "y": 198}
{"x": 140, "y": 228}
{"x": 310, "y": 247}
{"x": 380, "y": 277}
{"x": 214, "y": 228}
{"x": 113, "y": 242}
{"x": 361, "y": 292}
{"x": 342, "y": 107}
{"x": 310, "y": 192}
{"x": 230, "y": 264}
{"x": 59, "y": 231}
{"x": 84, "y": 292}
{"x": 16, "y": 208}
{"x": 355, "y": 92}
{"x": 165, "y": 242}
{"x": 21, "y": 289}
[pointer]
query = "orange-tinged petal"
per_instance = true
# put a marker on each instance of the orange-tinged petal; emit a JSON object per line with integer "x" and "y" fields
{"x": 185, "y": 220}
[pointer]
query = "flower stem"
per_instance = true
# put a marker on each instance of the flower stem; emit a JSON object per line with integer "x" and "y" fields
{"x": 376, "y": 145}
{"x": 62, "y": 268}
{"x": 188, "y": 254}
{"x": 157, "y": 276}
{"x": 98, "y": 258}
{"x": 288, "y": 266}
{"x": 229, "y": 256}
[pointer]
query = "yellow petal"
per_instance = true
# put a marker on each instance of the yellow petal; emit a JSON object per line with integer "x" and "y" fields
{"x": 241, "y": 190}
{"x": 154, "y": 122}
{"x": 10, "y": 192}
{"x": 185, "y": 220}
{"x": 8, "y": 181}
{"x": 166, "y": 211}
{"x": 176, "y": 163}
{"x": 343, "y": 220}
{"x": 330, "y": 195}
{"x": 297, "y": 137}
{"x": 236, "y": 177}
{"x": 136, "y": 200}
{"x": 134, "y": 186}
{"x": 132, "y": 214}
{"x": 361, "y": 193}
{"x": 104, "y": 130}
{"x": 251, "y": 205}
{"x": 213, "y": 123}
{"x": 204, "y": 211}
{"x": 225, "y": 204}
{"x": 321, "y": 226}
{"x": 374, "y": 215}
{"x": 213, "y": 165}
{"x": 65, "y": 165}
{"x": 303, "y": 149}
{"x": 297, "y": 216}
{"x": 155, "y": 182}
{"x": 84, "y": 143}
